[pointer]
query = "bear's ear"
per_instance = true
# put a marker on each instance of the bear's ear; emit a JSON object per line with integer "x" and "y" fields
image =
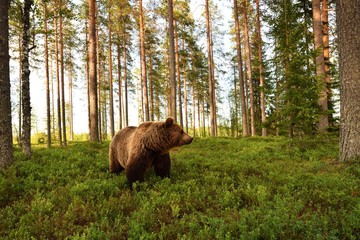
{"x": 169, "y": 122}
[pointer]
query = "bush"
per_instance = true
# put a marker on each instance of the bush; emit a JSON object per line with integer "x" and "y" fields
{"x": 220, "y": 188}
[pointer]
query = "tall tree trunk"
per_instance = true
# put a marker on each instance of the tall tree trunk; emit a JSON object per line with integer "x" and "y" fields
{"x": 212, "y": 99}
{"x": 111, "y": 96}
{"x": 348, "y": 18}
{"x": 48, "y": 106}
{"x": 177, "y": 63}
{"x": 71, "y": 113}
{"x": 325, "y": 22}
{"x": 20, "y": 93}
{"x": 143, "y": 64}
{"x": 172, "y": 61}
{"x": 185, "y": 98}
{"x": 94, "y": 131}
{"x": 248, "y": 67}
{"x": 320, "y": 66}
{"x": 62, "y": 75}
{"x": 98, "y": 77}
{"x": 262, "y": 82}
{"x": 58, "y": 102}
{"x": 52, "y": 97}
{"x": 151, "y": 89}
{"x": 193, "y": 111}
{"x": 120, "y": 93}
{"x": 244, "y": 111}
{"x": 6, "y": 140}
{"x": 26, "y": 106}
{"x": 126, "y": 100}
{"x": 87, "y": 73}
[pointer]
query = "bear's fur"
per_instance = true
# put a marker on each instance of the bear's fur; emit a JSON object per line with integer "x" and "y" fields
{"x": 136, "y": 149}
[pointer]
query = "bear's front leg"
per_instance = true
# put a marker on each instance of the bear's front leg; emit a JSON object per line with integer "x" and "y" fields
{"x": 162, "y": 165}
{"x": 135, "y": 171}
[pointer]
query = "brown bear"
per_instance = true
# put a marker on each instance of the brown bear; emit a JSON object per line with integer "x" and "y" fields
{"x": 136, "y": 149}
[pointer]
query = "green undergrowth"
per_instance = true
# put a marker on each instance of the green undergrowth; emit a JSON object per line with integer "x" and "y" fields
{"x": 220, "y": 188}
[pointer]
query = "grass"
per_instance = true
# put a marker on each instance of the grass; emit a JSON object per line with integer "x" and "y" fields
{"x": 220, "y": 188}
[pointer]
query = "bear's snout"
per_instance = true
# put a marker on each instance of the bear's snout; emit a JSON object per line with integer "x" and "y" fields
{"x": 187, "y": 139}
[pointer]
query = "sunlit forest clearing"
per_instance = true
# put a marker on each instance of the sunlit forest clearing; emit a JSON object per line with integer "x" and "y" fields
{"x": 220, "y": 188}
{"x": 268, "y": 89}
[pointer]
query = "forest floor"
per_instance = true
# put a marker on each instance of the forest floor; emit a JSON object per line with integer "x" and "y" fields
{"x": 220, "y": 188}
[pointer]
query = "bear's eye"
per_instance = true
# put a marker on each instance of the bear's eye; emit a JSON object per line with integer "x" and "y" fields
{"x": 182, "y": 131}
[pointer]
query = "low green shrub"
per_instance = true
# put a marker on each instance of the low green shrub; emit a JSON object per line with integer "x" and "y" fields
{"x": 220, "y": 188}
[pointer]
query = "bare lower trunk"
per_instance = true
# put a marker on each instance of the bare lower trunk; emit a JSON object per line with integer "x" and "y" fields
{"x": 244, "y": 110}
{"x": 6, "y": 141}
{"x": 62, "y": 76}
{"x": 320, "y": 67}
{"x": 48, "y": 107}
{"x": 349, "y": 58}
{"x": 93, "y": 98}
{"x": 248, "y": 68}
{"x": 26, "y": 105}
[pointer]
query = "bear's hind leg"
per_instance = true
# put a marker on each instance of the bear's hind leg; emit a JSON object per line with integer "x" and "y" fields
{"x": 114, "y": 165}
{"x": 162, "y": 165}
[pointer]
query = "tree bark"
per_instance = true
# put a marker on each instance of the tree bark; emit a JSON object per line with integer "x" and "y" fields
{"x": 120, "y": 93}
{"x": 212, "y": 99}
{"x": 58, "y": 101}
{"x": 348, "y": 17}
{"x": 94, "y": 131}
{"x": 325, "y": 23}
{"x": 244, "y": 110}
{"x": 6, "y": 140}
{"x": 248, "y": 67}
{"x": 48, "y": 106}
{"x": 323, "y": 123}
{"x": 62, "y": 68}
{"x": 126, "y": 100}
{"x": 262, "y": 85}
{"x": 111, "y": 95}
{"x": 177, "y": 63}
{"x": 26, "y": 105}
{"x": 172, "y": 61}
{"x": 71, "y": 113}
{"x": 143, "y": 64}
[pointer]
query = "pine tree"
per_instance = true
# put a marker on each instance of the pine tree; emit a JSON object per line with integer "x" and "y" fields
{"x": 6, "y": 140}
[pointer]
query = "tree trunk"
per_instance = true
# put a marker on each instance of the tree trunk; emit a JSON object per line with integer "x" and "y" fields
{"x": 98, "y": 77}
{"x": 320, "y": 66}
{"x": 143, "y": 64}
{"x": 6, "y": 140}
{"x": 120, "y": 93}
{"x": 248, "y": 68}
{"x": 126, "y": 100}
{"x": 325, "y": 23}
{"x": 111, "y": 96}
{"x": 20, "y": 94}
{"x": 62, "y": 75}
{"x": 212, "y": 99}
{"x": 348, "y": 17}
{"x": 48, "y": 107}
{"x": 177, "y": 63}
{"x": 244, "y": 110}
{"x": 151, "y": 89}
{"x": 71, "y": 113}
{"x": 26, "y": 106}
{"x": 172, "y": 61}
{"x": 58, "y": 102}
{"x": 185, "y": 100}
{"x": 94, "y": 131}
{"x": 262, "y": 85}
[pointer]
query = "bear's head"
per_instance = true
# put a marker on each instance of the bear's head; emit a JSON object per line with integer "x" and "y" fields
{"x": 176, "y": 135}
